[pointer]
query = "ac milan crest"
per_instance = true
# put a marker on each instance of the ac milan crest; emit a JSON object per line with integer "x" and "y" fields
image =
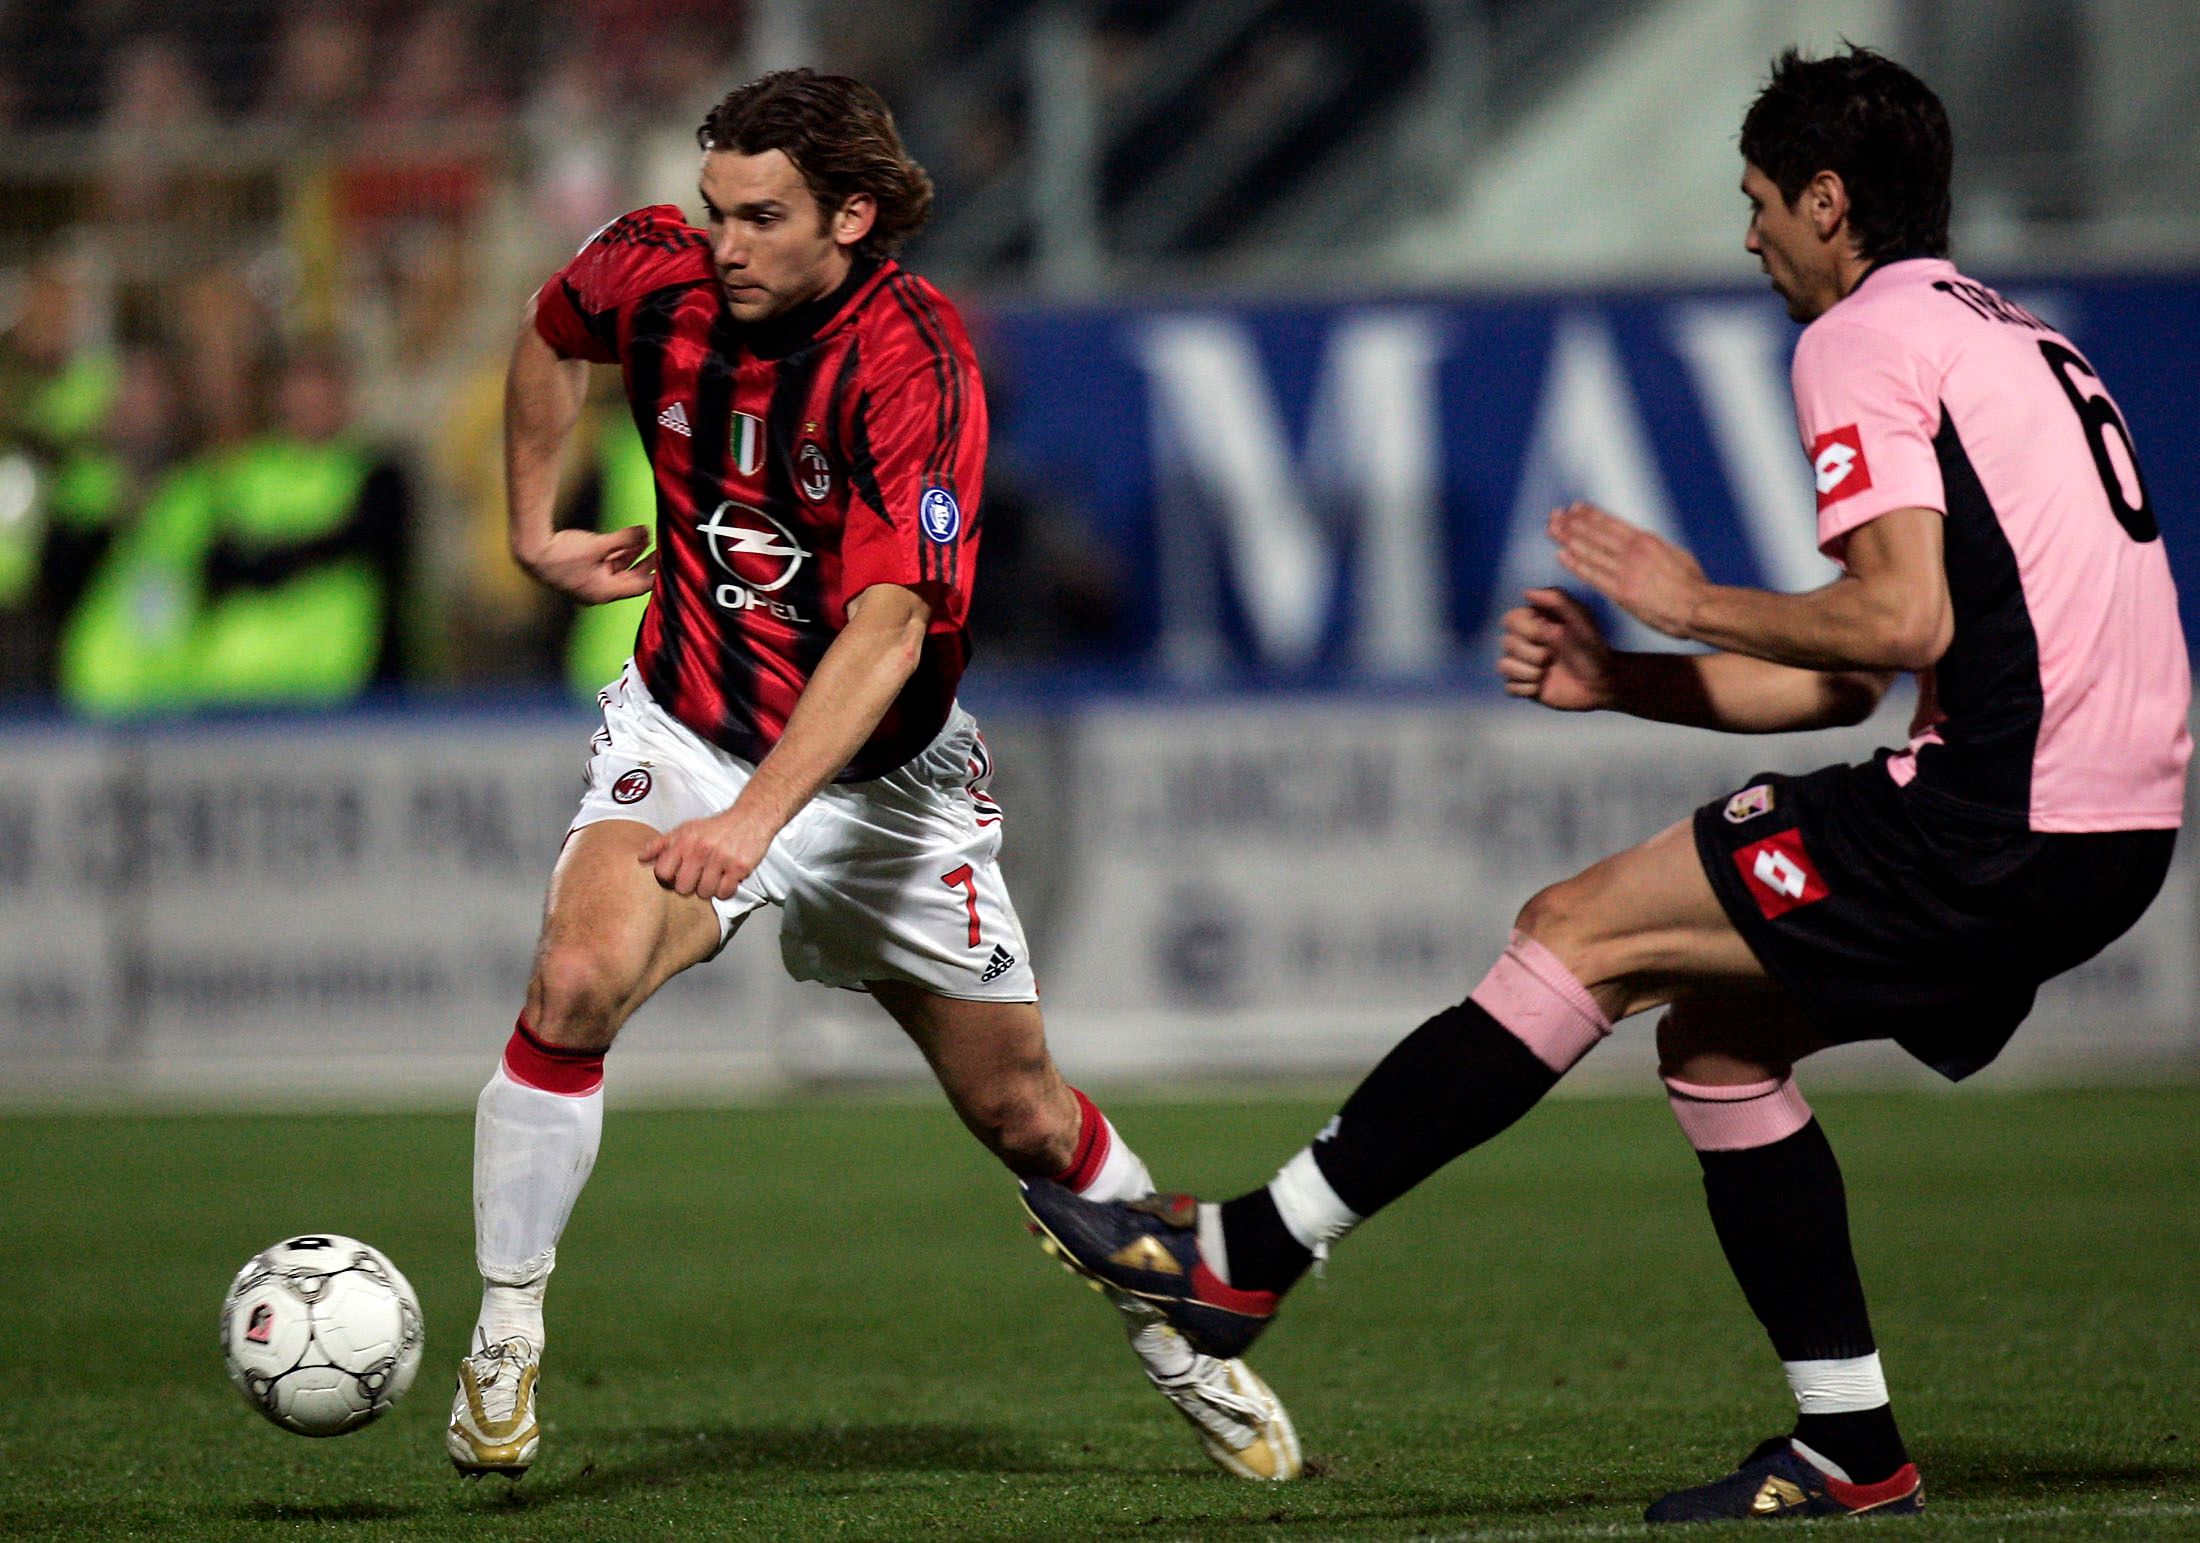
{"x": 813, "y": 472}
{"x": 631, "y": 788}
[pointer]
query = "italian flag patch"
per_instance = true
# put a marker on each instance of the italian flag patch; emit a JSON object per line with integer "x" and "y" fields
{"x": 748, "y": 442}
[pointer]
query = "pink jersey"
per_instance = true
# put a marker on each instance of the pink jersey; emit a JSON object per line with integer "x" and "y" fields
{"x": 2064, "y": 697}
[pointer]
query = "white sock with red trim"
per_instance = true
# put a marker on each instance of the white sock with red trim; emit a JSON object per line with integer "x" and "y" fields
{"x": 537, "y": 1126}
{"x": 1103, "y": 1167}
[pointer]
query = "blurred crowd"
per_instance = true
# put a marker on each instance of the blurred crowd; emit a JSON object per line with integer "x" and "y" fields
{"x": 260, "y": 263}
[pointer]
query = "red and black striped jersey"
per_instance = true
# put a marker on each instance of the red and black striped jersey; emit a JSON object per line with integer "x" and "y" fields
{"x": 798, "y": 462}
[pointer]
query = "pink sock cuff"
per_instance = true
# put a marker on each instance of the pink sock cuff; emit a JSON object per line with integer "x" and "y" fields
{"x": 1540, "y": 1003}
{"x": 1094, "y": 1141}
{"x": 1739, "y": 1116}
{"x": 551, "y": 1068}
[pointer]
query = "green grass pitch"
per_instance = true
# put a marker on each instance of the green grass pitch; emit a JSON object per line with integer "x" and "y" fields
{"x": 823, "y": 1320}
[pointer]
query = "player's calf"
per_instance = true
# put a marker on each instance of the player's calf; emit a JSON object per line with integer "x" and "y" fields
{"x": 1218, "y": 1272}
{"x": 1456, "y": 1081}
{"x": 1781, "y": 1214}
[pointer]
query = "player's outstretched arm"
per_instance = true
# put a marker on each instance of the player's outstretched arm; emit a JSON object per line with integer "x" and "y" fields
{"x": 1554, "y": 653}
{"x": 543, "y": 393}
{"x": 849, "y": 692}
{"x": 1889, "y": 611}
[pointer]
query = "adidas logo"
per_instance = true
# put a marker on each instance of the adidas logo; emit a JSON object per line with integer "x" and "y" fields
{"x": 1000, "y": 964}
{"x": 675, "y": 418}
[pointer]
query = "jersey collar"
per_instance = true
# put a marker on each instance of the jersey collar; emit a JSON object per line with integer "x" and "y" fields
{"x": 1889, "y": 262}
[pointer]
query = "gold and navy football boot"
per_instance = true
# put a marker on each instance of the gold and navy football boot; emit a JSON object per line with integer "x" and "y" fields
{"x": 1149, "y": 1249}
{"x": 1776, "y": 1482}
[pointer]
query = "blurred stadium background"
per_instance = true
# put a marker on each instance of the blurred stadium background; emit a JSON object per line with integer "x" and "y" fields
{"x": 1297, "y": 315}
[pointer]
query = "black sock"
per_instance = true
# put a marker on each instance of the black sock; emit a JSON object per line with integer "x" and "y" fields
{"x": 1263, "y": 1254}
{"x": 1863, "y": 1442}
{"x": 1450, "y": 1085}
{"x": 1782, "y": 1215}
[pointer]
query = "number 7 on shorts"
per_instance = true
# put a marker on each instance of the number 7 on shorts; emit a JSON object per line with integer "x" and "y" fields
{"x": 966, "y": 879}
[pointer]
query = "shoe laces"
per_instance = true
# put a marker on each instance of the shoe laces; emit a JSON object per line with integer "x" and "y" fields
{"x": 489, "y": 1361}
{"x": 1208, "y": 1382}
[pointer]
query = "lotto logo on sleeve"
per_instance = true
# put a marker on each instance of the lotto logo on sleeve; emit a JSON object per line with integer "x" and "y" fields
{"x": 1779, "y": 874}
{"x": 1837, "y": 461}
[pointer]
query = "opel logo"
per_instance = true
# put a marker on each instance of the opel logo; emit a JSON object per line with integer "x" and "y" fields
{"x": 737, "y": 531}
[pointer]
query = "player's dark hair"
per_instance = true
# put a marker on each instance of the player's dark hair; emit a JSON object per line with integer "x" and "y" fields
{"x": 840, "y": 136}
{"x": 1880, "y": 128}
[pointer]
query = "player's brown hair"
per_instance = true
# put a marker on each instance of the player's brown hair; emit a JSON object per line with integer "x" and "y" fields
{"x": 1878, "y": 126}
{"x": 840, "y": 136}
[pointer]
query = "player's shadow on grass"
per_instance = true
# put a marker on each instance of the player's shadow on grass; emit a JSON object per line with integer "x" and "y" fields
{"x": 1978, "y": 1470}
{"x": 669, "y": 1454}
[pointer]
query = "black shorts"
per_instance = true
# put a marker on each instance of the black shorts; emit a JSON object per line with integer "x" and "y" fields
{"x": 1887, "y": 914}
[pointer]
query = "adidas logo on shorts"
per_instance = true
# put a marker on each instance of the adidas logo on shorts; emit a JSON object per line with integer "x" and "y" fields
{"x": 1000, "y": 964}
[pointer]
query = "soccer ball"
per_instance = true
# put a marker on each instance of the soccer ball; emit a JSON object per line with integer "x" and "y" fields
{"x": 321, "y": 1334}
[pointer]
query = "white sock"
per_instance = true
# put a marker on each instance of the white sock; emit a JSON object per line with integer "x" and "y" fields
{"x": 1122, "y": 1174}
{"x": 1837, "y": 1387}
{"x": 510, "y": 1310}
{"x": 1309, "y": 1207}
{"x": 532, "y": 1153}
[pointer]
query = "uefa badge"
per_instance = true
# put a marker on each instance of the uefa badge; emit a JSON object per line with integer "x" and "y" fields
{"x": 940, "y": 515}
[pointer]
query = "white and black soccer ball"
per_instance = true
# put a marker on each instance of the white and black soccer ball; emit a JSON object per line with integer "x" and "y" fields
{"x": 321, "y": 1334}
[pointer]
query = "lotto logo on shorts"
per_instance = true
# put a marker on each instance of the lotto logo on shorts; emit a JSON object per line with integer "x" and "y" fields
{"x": 1779, "y": 873}
{"x": 1837, "y": 461}
{"x": 631, "y": 788}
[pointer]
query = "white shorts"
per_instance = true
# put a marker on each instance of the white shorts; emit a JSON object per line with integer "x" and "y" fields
{"x": 895, "y": 878}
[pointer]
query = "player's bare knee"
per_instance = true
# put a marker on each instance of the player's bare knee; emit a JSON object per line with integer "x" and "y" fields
{"x": 1562, "y": 919}
{"x": 1548, "y": 915}
{"x": 578, "y": 998}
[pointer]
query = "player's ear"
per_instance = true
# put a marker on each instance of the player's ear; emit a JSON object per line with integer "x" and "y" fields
{"x": 853, "y": 220}
{"x": 1826, "y": 200}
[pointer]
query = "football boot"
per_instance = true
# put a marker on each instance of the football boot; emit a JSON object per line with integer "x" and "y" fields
{"x": 1149, "y": 1249}
{"x": 1776, "y": 1482}
{"x": 493, "y": 1427}
{"x": 1242, "y": 1426}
